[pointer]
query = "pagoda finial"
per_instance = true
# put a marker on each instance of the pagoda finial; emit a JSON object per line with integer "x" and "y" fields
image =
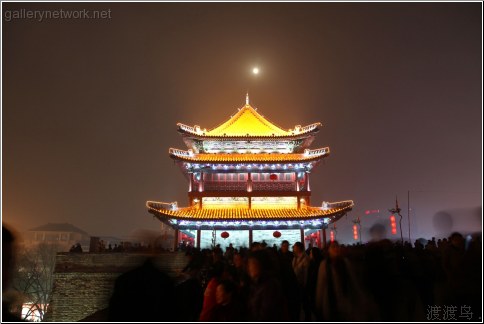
{"x": 247, "y": 99}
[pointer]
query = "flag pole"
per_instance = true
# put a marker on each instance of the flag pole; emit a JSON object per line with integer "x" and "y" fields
{"x": 408, "y": 215}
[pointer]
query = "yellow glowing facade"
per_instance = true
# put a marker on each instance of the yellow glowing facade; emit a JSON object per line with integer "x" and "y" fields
{"x": 243, "y": 202}
{"x": 247, "y": 121}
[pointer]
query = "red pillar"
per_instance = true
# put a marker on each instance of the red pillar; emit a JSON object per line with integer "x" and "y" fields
{"x": 324, "y": 237}
{"x": 302, "y": 237}
{"x": 199, "y": 235}
{"x": 250, "y": 238}
{"x": 249, "y": 182}
{"x": 297, "y": 181}
{"x": 201, "y": 185}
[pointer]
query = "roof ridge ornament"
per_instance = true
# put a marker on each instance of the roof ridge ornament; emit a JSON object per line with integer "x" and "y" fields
{"x": 247, "y": 99}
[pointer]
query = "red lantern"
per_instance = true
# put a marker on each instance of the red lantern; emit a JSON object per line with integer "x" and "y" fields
{"x": 393, "y": 224}
{"x": 276, "y": 234}
{"x": 355, "y": 232}
{"x": 224, "y": 235}
{"x": 273, "y": 177}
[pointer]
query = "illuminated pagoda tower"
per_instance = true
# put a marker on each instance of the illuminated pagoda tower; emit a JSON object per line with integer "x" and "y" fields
{"x": 248, "y": 180}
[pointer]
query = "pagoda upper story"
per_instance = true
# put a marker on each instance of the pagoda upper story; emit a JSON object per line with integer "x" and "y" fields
{"x": 248, "y": 153}
{"x": 248, "y": 132}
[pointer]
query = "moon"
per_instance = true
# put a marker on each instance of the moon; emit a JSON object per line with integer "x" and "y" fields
{"x": 255, "y": 70}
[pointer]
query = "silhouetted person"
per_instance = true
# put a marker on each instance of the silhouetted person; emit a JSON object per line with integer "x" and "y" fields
{"x": 255, "y": 246}
{"x": 209, "y": 296}
{"x": 228, "y": 308}
{"x": 144, "y": 294}
{"x": 229, "y": 253}
{"x": 266, "y": 301}
{"x": 76, "y": 248}
{"x": 300, "y": 265}
{"x": 189, "y": 297}
{"x": 243, "y": 279}
{"x": 315, "y": 258}
{"x": 195, "y": 261}
{"x": 263, "y": 244}
{"x": 289, "y": 282}
{"x": 7, "y": 271}
{"x": 284, "y": 253}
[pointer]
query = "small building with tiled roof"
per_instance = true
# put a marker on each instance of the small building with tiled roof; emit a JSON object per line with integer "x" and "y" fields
{"x": 64, "y": 235}
{"x": 248, "y": 175}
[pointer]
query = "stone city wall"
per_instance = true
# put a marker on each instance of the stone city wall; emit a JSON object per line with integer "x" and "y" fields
{"x": 83, "y": 282}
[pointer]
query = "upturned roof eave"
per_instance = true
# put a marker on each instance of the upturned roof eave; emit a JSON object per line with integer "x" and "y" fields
{"x": 234, "y": 161}
{"x": 190, "y": 215}
{"x": 249, "y": 137}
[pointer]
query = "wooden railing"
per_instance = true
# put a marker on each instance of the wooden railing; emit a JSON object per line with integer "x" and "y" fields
{"x": 273, "y": 186}
{"x": 224, "y": 186}
{"x": 256, "y": 186}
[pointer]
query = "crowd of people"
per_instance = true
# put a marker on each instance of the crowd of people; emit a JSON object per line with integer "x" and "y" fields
{"x": 377, "y": 281}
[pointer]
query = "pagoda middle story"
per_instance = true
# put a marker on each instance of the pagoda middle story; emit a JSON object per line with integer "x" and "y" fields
{"x": 249, "y": 180}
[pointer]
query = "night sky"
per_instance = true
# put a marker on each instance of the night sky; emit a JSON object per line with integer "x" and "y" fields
{"x": 90, "y": 106}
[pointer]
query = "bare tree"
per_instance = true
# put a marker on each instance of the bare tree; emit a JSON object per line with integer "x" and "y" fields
{"x": 34, "y": 278}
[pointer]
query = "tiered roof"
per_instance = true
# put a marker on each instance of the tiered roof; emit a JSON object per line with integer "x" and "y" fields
{"x": 197, "y": 214}
{"x": 308, "y": 155}
{"x": 247, "y": 122}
